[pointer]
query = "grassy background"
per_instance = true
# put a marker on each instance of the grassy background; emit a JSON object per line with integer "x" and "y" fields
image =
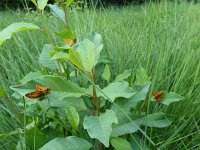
{"x": 162, "y": 38}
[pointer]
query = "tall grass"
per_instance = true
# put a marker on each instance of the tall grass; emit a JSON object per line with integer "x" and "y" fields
{"x": 163, "y": 38}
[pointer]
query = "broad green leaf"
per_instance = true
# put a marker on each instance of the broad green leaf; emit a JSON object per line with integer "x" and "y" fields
{"x": 126, "y": 104}
{"x": 157, "y": 120}
{"x": 69, "y": 2}
{"x": 126, "y": 128}
{"x": 120, "y": 144}
{"x": 72, "y": 116}
{"x": 77, "y": 103}
{"x": 45, "y": 59}
{"x": 14, "y": 28}
{"x": 141, "y": 76}
{"x": 58, "y": 12}
{"x": 95, "y": 38}
{"x": 100, "y": 127}
{"x": 123, "y": 76}
{"x": 117, "y": 89}
{"x": 142, "y": 91}
{"x": 60, "y": 56}
{"x": 60, "y": 88}
{"x": 170, "y": 98}
{"x": 88, "y": 55}
{"x": 31, "y": 76}
{"x": 42, "y": 4}
{"x": 106, "y": 74}
{"x": 34, "y": 2}
{"x": 75, "y": 58}
{"x": 65, "y": 34}
{"x": 68, "y": 143}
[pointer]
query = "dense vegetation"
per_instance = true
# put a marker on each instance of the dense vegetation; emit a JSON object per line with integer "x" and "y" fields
{"x": 14, "y": 4}
{"x": 162, "y": 38}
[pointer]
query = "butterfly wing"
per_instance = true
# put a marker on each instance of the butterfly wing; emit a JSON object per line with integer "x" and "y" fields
{"x": 34, "y": 94}
{"x": 40, "y": 88}
{"x": 157, "y": 95}
{"x": 70, "y": 42}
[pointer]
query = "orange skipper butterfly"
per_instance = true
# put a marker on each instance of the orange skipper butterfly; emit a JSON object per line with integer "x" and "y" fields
{"x": 40, "y": 91}
{"x": 70, "y": 42}
{"x": 157, "y": 95}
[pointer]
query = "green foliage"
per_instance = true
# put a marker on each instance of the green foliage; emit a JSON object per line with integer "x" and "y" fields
{"x": 125, "y": 74}
{"x": 45, "y": 59}
{"x": 100, "y": 127}
{"x": 73, "y": 117}
{"x": 117, "y": 89}
{"x": 14, "y": 28}
{"x": 170, "y": 98}
{"x": 65, "y": 88}
{"x": 58, "y": 12}
{"x": 42, "y": 4}
{"x": 106, "y": 74}
{"x": 143, "y": 123}
{"x": 120, "y": 143}
{"x": 68, "y": 143}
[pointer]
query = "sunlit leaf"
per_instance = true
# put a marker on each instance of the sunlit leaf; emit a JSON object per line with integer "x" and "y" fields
{"x": 75, "y": 58}
{"x": 75, "y": 102}
{"x": 123, "y": 76}
{"x": 72, "y": 116}
{"x": 45, "y": 59}
{"x": 106, "y": 74}
{"x": 156, "y": 120}
{"x": 120, "y": 144}
{"x": 60, "y": 56}
{"x": 68, "y": 143}
{"x": 60, "y": 88}
{"x": 88, "y": 55}
{"x": 126, "y": 104}
{"x": 100, "y": 127}
{"x": 117, "y": 89}
{"x": 31, "y": 76}
{"x": 69, "y": 2}
{"x": 58, "y": 12}
{"x": 14, "y": 28}
{"x": 65, "y": 34}
{"x": 170, "y": 98}
{"x": 34, "y": 2}
{"x": 42, "y": 4}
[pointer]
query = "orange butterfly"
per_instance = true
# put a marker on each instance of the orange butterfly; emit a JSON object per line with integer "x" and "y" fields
{"x": 157, "y": 95}
{"x": 40, "y": 91}
{"x": 70, "y": 42}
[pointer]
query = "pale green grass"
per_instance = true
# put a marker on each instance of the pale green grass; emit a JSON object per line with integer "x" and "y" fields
{"x": 162, "y": 38}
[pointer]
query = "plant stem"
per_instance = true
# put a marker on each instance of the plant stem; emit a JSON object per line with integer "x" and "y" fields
{"x": 66, "y": 19}
{"x": 94, "y": 97}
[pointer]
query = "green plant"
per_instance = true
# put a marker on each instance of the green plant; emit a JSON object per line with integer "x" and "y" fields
{"x": 85, "y": 102}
